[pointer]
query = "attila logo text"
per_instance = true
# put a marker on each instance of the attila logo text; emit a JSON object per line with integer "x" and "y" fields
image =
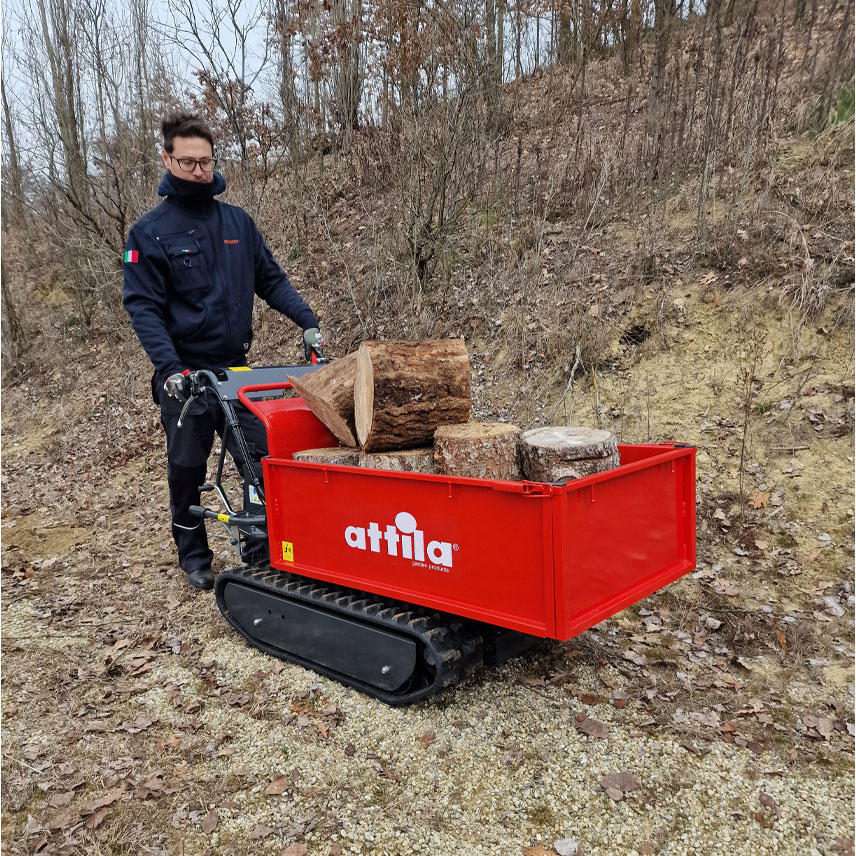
{"x": 403, "y": 539}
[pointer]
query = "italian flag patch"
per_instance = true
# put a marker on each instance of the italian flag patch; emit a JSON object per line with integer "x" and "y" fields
{"x": 132, "y": 256}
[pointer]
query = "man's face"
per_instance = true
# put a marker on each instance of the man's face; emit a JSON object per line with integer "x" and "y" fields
{"x": 195, "y": 148}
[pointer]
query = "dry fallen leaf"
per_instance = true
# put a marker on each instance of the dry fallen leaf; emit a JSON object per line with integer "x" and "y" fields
{"x": 428, "y": 738}
{"x": 61, "y": 799}
{"x": 260, "y": 831}
{"x": 108, "y": 799}
{"x": 763, "y": 820}
{"x": 566, "y": 846}
{"x": 623, "y": 781}
{"x": 294, "y": 850}
{"x": 768, "y": 802}
{"x": 278, "y": 786}
{"x": 591, "y": 726}
{"x": 759, "y": 499}
{"x": 209, "y": 822}
{"x": 824, "y": 727}
{"x": 155, "y": 782}
{"x": 63, "y": 819}
{"x": 94, "y": 819}
{"x": 843, "y": 846}
{"x": 725, "y": 587}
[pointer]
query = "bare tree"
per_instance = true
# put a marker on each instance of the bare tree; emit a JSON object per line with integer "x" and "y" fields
{"x": 221, "y": 40}
{"x": 14, "y": 187}
{"x": 347, "y": 81}
{"x": 92, "y": 146}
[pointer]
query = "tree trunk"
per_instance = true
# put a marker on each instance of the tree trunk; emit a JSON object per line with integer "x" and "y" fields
{"x": 566, "y": 43}
{"x": 329, "y": 394}
{"x": 14, "y": 171}
{"x": 347, "y": 79}
{"x": 479, "y": 450}
{"x": 404, "y": 390}
{"x": 559, "y": 454}
{"x": 286, "y": 28}
{"x": 663, "y": 11}
{"x": 11, "y": 325}
{"x": 406, "y": 461}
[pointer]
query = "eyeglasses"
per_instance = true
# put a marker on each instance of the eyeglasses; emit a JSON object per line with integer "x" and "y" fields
{"x": 189, "y": 164}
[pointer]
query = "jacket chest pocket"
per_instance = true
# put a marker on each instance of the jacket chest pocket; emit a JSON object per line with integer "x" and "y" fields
{"x": 189, "y": 270}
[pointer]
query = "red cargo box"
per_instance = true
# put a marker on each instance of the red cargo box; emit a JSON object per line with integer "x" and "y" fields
{"x": 549, "y": 560}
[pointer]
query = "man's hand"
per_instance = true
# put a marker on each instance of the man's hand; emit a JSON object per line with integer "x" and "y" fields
{"x": 177, "y": 385}
{"x": 313, "y": 342}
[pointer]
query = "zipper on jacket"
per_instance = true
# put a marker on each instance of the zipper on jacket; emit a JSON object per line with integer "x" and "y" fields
{"x": 222, "y": 283}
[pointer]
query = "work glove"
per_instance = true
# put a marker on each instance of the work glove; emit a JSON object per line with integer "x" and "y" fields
{"x": 178, "y": 385}
{"x": 313, "y": 342}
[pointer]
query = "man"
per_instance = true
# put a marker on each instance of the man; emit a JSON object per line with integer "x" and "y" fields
{"x": 192, "y": 267}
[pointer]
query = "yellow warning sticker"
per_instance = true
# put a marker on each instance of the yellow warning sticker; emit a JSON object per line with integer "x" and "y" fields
{"x": 238, "y": 368}
{"x": 287, "y": 551}
{"x": 223, "y": 518}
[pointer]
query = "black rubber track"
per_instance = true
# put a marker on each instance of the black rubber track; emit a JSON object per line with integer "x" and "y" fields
{"x": 449, "y": 647}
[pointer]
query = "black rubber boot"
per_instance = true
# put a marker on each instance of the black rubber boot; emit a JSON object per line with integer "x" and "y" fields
{"x": 255, "y": 551}
{"x": 201, "y": 579}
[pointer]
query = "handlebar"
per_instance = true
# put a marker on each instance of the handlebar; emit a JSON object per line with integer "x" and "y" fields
{"x": 244, "y": 391}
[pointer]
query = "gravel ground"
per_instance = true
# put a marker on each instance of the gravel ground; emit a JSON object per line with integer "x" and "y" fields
{"x": 491, "y": 767}
{"x": 136, "y": 722}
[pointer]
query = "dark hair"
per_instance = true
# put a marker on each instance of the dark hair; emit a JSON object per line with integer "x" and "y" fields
{"x": 185, "y": 125}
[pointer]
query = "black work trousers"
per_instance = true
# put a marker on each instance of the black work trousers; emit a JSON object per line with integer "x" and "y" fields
{"x": 187, "y": 452}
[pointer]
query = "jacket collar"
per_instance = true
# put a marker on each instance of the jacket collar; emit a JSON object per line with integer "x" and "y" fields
{"x": 191, "y": 190}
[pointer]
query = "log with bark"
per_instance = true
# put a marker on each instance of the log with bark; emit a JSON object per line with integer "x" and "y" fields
{"x": 329, "y": 394}
{"x": 403, "y": 390}
{"x": 560, "y": 454}
{"x": 337, "y": 455}
{"x": 406, "y": 460}
{"x": 479, "y": 450}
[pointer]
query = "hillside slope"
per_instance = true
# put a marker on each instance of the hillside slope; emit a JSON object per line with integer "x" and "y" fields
{"x": 135, "y": 722}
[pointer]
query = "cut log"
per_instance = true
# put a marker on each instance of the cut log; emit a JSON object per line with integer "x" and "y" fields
{"x": 338, "y": 456}
{"x": 559, "y": 454}
{"x": 568, "y": 470}
{"x": 404, "y": 390}
{"x": 329, "y": 394}
{"x": 479, "y": 450}
{"x": 406, "y": 460}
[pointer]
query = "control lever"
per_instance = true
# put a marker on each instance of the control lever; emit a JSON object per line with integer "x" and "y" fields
{"x": 196, "y": 389}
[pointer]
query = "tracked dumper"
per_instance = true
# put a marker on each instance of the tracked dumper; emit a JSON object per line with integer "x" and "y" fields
{"x": 400, "y": 584}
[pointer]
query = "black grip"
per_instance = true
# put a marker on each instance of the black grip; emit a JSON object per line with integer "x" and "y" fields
{"x": 240, "y": 519}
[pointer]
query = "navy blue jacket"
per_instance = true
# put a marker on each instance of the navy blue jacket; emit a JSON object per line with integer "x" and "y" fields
{"x": 192, "y": 266}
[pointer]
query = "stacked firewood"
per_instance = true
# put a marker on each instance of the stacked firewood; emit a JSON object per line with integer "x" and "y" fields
{"x": 405, "y": 405}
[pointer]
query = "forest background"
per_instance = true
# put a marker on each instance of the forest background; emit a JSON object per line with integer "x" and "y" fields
{"x": 639, "y": 216}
